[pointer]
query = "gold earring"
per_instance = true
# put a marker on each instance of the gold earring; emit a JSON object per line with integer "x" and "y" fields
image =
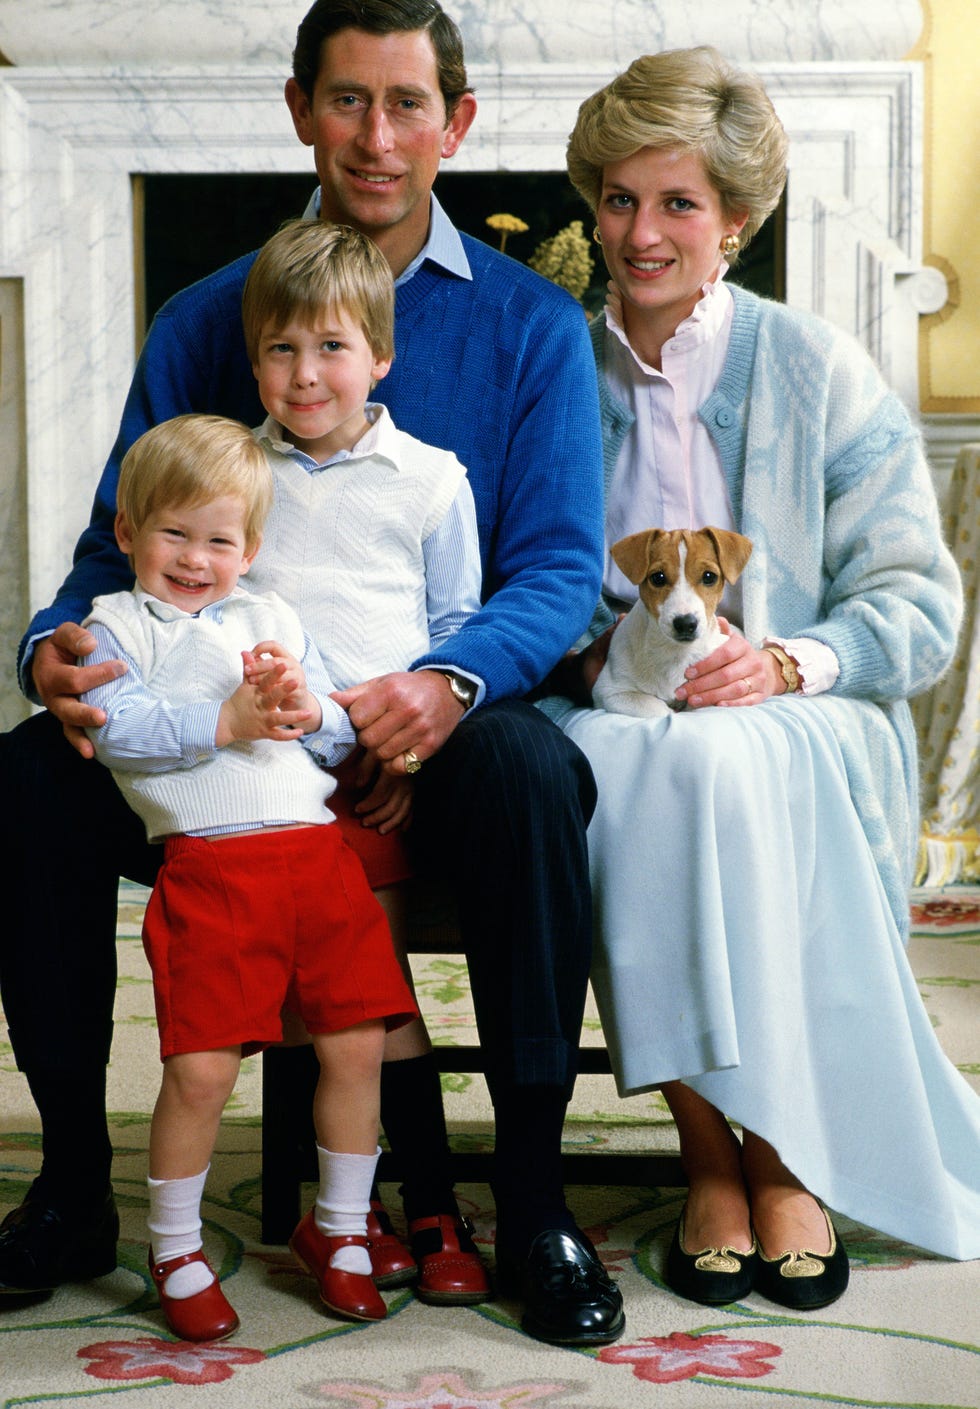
{"x": 730, "y": 246}
{"x": 596, "y": 235}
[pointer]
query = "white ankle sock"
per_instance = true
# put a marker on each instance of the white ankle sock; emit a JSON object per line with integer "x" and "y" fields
{"x": 343, "y": 1201}
{"x": 174, "y": 1223}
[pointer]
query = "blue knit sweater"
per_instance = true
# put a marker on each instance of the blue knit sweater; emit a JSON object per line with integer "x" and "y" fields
{"x": 497, "y": 369}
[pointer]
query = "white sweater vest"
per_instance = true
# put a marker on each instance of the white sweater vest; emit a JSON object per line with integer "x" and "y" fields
{"x": 187, "y": 660}
{"x": 344, "y": 546}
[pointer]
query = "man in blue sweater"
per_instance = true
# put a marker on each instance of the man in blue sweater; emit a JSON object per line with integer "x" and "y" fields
{"x": 492, "y": 363}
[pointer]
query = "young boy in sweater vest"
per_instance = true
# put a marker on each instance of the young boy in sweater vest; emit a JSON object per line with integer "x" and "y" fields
{"x": 372, "y": 534}
{"x": 218, "y": 736}
{"x": 372, "y": 537}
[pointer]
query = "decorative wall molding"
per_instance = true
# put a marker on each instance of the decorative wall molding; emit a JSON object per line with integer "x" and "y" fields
{"x": 497, "y": 33}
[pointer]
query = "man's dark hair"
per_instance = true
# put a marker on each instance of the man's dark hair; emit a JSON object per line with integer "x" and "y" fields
{"x": 328, "y": 17}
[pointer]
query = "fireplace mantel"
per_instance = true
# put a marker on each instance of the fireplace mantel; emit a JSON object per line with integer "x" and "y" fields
{"x": 70, "y": 140}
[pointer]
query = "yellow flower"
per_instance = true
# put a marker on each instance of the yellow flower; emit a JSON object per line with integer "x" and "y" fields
{"x": 506, "y": 225}
{"x": 565, "y": 259}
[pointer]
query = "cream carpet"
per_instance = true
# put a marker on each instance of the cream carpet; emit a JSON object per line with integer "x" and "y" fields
{"x": 906, "y": 1334}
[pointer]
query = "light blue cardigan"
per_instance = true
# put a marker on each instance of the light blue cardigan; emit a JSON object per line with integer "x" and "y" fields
{"x": 827, "y": 476}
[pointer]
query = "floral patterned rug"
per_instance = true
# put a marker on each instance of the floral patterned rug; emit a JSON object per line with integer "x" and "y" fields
{"x": 906, "y": 1336}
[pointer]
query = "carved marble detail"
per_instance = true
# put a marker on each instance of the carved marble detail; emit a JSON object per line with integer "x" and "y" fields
{"x": 495, "y": 32}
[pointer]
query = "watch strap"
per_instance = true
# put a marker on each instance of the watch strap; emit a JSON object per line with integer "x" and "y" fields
{"x": 787, "y": 668}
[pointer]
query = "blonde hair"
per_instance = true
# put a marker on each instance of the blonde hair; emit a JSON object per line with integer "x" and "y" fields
{"x": 312, "y": 267}
{"x": 191, "y": 460}
{"x": 695, "y": 101}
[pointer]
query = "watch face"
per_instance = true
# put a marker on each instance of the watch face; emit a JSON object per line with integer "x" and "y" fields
{"x": 464, "y": 690}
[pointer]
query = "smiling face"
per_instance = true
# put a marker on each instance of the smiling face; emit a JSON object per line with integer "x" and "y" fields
{"x": 377, "y": 124}
{"x": 662, "y": 224}
{"x": 189, "y": 557}
{"x": 315, "y": 380}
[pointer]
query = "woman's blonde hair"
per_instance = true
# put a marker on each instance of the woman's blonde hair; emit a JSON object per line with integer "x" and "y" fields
{"x": 190, "y": 460}
{"x": 691, "y": 100}
{"x": 312, "y": 267}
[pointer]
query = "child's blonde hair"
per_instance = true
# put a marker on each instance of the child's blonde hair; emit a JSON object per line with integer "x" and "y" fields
{"x": 312, "y": 267}
{"x": 191, "y": 460}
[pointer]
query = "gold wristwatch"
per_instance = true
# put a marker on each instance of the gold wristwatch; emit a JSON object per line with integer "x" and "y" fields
{"x": 787, "y": 668}
{"x": 463, "y": 689}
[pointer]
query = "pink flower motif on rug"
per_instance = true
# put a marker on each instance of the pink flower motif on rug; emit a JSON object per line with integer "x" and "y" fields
{"x": 946, "y": 912}
{"x": 440, "y": 1391}
{"x": 180, "y": 1361}
{"x": 662, "y": 1359}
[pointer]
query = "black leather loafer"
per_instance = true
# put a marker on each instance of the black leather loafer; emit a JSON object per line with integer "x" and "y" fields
{"x": 711, "y": 1276}
{"x": 804, "y": 1280}
{"x": 40, "y": 1249}
{"x": 568, "y": 1297}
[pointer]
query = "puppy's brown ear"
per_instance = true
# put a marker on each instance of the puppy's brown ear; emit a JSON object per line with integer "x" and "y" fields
{"x": 733, "y": 549}
{"x": 632, "y": 555}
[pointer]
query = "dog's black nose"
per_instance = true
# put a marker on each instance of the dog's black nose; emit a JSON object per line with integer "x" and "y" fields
{"x": 685, "y": 628}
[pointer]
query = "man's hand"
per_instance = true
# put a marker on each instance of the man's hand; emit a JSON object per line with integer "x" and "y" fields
{"x": 59, "y": 682}
{"x": 407, "y": 710}
{"x": 387, "y": 804}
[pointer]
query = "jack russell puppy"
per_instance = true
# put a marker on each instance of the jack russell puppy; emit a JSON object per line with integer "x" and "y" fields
{"x": 681, "y": 575}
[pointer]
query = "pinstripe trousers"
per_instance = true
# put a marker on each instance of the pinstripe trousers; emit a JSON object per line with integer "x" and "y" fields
{"x": 501, "y": 816}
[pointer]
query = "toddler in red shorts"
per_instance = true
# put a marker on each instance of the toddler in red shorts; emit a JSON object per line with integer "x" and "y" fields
{"x": 218, "y": 735}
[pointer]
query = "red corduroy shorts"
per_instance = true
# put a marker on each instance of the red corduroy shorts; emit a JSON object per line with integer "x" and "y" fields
{"x": 237, "y": 928}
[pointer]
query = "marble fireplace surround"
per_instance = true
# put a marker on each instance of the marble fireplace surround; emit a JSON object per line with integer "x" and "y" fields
{"x": 71, "y": 138}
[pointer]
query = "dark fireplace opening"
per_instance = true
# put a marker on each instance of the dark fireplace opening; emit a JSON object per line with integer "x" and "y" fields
{"x": 193, "y": 224}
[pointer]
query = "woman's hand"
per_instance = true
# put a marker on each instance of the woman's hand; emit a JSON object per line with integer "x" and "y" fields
{"x": 734, "y": 674}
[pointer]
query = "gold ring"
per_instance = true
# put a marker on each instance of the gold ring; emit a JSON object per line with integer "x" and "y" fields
{"x": 412, "y": 761}
{"x": 748, "y": 684}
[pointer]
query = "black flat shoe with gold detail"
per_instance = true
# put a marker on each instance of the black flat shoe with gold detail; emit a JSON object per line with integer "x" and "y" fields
{"x": 712, "y": 1276}
{"x": 803, "y": 1280}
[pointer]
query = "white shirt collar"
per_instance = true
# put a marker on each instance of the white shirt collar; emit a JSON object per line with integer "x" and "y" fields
{"x": 166, "y": 611}
{"x": 380, "y": 438}
{"x": 443, "y": 246}
{"x": 701, "y": 326}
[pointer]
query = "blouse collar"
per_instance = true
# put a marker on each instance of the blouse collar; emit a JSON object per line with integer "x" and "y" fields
{"x": 700, "y": 327}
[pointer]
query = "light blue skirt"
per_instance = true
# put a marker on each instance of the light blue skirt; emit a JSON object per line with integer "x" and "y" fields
{"x": 745, "y": 944}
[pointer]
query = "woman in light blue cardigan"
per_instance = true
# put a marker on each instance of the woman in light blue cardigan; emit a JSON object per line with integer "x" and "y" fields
{"x": 751, "y": 856}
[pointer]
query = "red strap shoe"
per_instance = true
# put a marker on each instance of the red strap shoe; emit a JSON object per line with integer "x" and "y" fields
{"x": 350, "y": 1294}
{"x": 205, "y": 1316}
{"x": 392, "y": 1264}
{"x": 450, "y": 1270}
